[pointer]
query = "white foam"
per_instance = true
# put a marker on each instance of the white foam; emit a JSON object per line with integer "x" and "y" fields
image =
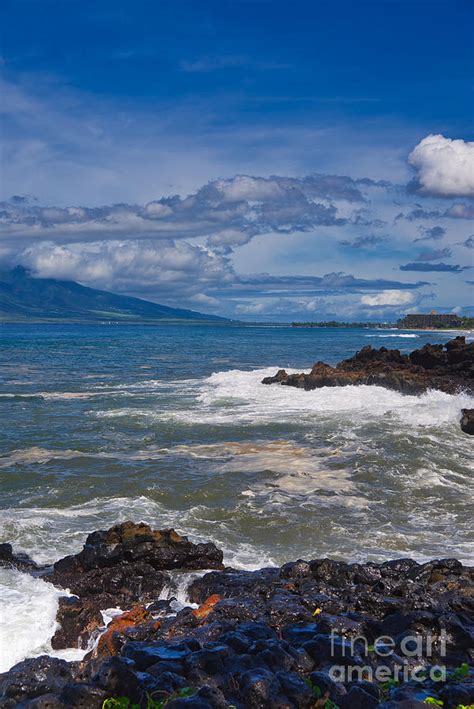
{"x": 238, "y": 396}
{"x": 392, "y": 335}
{"x": 27, "y": 618}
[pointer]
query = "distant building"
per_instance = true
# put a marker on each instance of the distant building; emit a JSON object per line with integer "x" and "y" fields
{"x": 434, "y": 320}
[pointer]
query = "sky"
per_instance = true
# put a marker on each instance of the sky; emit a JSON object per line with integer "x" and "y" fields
{"x": 256, "y": 159}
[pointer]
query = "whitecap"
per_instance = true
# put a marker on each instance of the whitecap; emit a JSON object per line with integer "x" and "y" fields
{"x": 28, "y": 609}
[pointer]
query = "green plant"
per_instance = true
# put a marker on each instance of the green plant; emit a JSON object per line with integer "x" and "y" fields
{"x": 125, "y": 703}
{"x": 119, "y": 703}
{"x": 461, "y": 671}
{"x": 433, "y": 701}
{"x": 389, "y": 685}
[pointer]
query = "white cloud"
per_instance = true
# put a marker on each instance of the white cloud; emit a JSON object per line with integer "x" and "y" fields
{"x": 389, "y": 297}
{"x": 229, "y": 212}
{"x": 444, "y": 167}
{"x": 164, "y": 270}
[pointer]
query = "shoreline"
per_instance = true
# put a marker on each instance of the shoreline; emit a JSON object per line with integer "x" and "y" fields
{"x": 277, "y": 636}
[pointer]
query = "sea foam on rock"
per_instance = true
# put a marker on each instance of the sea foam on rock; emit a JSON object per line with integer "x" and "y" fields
{"x": 448, "y": 368}
{"x": 265, "y": 638}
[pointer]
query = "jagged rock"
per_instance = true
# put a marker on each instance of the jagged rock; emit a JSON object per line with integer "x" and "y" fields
{"x": 265, "y": 638}
{"x": 110, "y": 642}
{"x": 467, "y": 421}
{"x": 447, "y": 367}
{"x": 33, "y": 678}
{"x": 78, "y": 621}
{"x": 120, "y": 567}
{"x": 19, "y": 561}
{"x": 127, "y": 543}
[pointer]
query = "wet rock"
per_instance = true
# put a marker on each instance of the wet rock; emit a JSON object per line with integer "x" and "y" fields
{"x": 35, "y": 677}
{"x": 231, "y": 583}
{"x": 19, "y": 561}
{"x": 78, "y": 621}
{"x": 146, "y": 654}
{"x": 110, "y": 644}
{"x": 259, "y": 688}
{"x": 203, "y": 611}
{"x": 117, "y": 677}
{"x": 467, "y": 421}
{"x": 83, "y": 696}
{"x": 325, "y": 687}
{"x": 358, "y": 698}
{"x": 448, "y": 367}
{"x": 123, "y": 586}
{"x": 127, "y": 543}
{"x": 120, "y": 567}
{"x": 266, "y": 638}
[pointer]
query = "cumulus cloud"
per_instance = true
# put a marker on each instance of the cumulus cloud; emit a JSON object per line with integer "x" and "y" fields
{"x": 191, "y": 275}
{"x": 230, "y": 212}
{"x": 389, "y": 297}
{"x": 444, "y": 167}
{"x": 447, "y": 267}
{"x": 165, "y": 270}
{"x": 320, "y": 308}
{"x": 469, "y": 242}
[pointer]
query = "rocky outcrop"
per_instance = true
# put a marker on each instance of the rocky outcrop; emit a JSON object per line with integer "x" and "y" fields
{"x": 449, "y": 368}
{"x": 467, "y": 421}
{"x": 272, "y": 638}
{"x": 120, "y": 567}
{"x": 130, "y": 543}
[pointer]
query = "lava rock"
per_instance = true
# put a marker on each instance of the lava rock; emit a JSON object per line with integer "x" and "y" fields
{"x": 467, "y": 421}
{"x": 35, "y": 677}
{"x": 448, "y": 367}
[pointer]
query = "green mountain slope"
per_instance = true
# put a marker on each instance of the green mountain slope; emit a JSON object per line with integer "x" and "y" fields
{"x": 23, "y": 297}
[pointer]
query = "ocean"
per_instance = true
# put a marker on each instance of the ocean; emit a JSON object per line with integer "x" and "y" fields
{"x": 171, "y": 425}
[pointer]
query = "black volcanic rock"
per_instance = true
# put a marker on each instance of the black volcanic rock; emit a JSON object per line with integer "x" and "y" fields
{"x": 449, "y": 368}
{"x": 19, "y": 561}
{"x": 467, "y": 421}
{"x": 129, "y": 543}
{"x": 267, "y": 638}
{"x": 120, "y": 567}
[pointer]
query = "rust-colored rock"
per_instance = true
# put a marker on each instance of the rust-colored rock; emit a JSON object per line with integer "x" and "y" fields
{"x": 203, "y": 611}
{"x": 137, "y": 616}
{"x": 120, "y": 566}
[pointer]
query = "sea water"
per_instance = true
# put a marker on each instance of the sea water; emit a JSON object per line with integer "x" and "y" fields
{"x": 170, "y": 424}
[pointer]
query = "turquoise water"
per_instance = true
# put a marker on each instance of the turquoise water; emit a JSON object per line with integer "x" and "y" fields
{"x": 171, "y": 425}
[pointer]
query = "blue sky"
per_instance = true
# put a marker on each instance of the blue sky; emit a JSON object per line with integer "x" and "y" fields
{"x": 255, "y": 158}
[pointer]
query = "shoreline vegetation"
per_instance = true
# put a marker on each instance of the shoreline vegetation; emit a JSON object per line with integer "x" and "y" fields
{"x": 464, "y": 323}
{"x": 311, "y": 634}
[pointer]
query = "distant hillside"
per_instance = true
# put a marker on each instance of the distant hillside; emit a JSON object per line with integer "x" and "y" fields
{"x": 23, "y": 297}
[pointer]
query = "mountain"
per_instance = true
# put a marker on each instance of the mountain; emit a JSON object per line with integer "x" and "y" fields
{"x": 23, "y": 297}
